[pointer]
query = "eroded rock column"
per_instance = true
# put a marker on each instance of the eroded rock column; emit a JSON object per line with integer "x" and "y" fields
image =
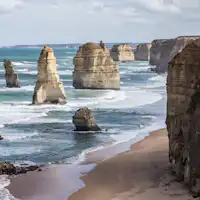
{"x": 49, "y": 88}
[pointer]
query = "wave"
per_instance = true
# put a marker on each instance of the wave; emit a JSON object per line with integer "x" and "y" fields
{"x": 4, "y": 193}
{"x": 23, "y": 88}
{"x": 12, "y": 136}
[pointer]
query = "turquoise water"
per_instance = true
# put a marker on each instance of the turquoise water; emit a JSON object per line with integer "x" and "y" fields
{"x": 45, "y": 133}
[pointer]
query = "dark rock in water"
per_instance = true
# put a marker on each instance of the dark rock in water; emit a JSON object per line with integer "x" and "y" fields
{"x": 84, "y": 120}
{"x": 10, "y": 169}
{"x": 1, "y": 138}
{"x": 183, "y": 115}
{"x": 12, "y": 79}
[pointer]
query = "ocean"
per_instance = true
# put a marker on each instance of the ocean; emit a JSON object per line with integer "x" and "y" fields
{"x": 44, "y": 134}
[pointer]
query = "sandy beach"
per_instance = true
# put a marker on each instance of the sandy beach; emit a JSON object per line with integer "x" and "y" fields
{"x": 141, "y": 173}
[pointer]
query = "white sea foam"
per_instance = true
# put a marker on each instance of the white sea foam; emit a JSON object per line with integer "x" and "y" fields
{"x": 23, "y": 88}
{"x": 15, "y": 135}
{"x": 4, "y": 193}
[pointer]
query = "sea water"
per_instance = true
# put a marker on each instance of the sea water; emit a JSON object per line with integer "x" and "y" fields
{"x": 44, "y": 134}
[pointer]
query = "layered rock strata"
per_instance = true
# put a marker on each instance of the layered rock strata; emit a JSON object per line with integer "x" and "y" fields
{"x": 162, "y": 51}
{"x": 122, "y": 52}
{"x": 183, "y": 115}
{"x": 94, "y": 68}
{"x": 49, "y": 88}
{"x": 84, "y": 120}
{"x": 11, "y": 77}
{"x": 142, "y": 52}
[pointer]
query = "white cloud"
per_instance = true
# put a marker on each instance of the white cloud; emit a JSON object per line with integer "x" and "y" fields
{"x": 9, "y": 5}
{"x": 61, "y": 21}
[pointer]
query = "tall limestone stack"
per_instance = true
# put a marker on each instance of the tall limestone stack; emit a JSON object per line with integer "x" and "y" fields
{"x": 12, "y": 79}
{"x": 142, "y": 52}
{"x": 94, "y": 68}
{"x": 162, "y": 51}
{"x": 122, "y": 52}
{"x": 183, "y": 115}
{"x": 48, "y": 88}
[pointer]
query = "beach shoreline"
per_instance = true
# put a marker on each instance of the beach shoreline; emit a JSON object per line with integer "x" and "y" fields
{"x": 111, "y": 176}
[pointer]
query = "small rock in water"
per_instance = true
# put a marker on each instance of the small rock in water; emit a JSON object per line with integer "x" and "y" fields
{"x": 84, "y": 120}
{"x": 1, "y": 138}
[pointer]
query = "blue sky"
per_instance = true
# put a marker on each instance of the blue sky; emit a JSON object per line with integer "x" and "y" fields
{"x": 71, "y": 21}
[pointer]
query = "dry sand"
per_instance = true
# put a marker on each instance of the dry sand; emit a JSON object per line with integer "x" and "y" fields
{"x": 139, "y": 174}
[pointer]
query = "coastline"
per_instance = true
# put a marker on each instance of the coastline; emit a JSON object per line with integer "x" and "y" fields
{"x": 112, "y": 174}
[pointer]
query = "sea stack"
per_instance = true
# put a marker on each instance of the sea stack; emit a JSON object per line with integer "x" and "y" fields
{"x": 49, "y": 88}
{"x": 162, "y": 51}
{"x": 122, "y": 52}
{"x": 183, "y": 115}
{"x": 94, "y": 68}
{"x": 142, "y": 52}
{"x": 12, "y": 80}
{"x": 84, "y": 120}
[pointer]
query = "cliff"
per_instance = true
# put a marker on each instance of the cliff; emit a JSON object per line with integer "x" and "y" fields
{"x": 142, "y": 52}
{"x": 183, "y": 114}
{"x": 48, "y": 88}
{"x": 122, "y": 52}
{"x": 162, "y": 51}
{"x": 11, "y": 77}
{"x": 94, "y": 68}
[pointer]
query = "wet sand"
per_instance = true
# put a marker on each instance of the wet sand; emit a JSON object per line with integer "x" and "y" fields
{"x": 140, "y": 174}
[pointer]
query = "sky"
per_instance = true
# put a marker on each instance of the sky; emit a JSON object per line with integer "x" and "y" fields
{"x": 79, "y": 21}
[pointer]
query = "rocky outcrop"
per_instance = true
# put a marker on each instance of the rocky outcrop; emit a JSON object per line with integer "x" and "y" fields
{"x": 10, "y": 169}
{"x": 49, "y": 88}
{"x": 183, "y": 115}
{"x": 84, "y": 120}
{"x": 94, "y": 68}
{"x": 12, "y": 80}
{"x": 1, "y": 138}
{"x": 142, "y": 52}
{"x": 162, "y": 51}
{"x": 122, "y": 52}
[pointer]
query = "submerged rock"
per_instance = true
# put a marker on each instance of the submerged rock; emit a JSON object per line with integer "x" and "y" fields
{"x": 183, "y": 115}
{"x": 142, "y": 52}
{"x": 84, "y": 120}
{"x": 162, "y": 51}
{"x": 10, "y": 169}
{"x": 94, "y": 68}
{"x": 122, "y": 52}
{"x": 12, "y": 80}
{"x": 49, "y": 88}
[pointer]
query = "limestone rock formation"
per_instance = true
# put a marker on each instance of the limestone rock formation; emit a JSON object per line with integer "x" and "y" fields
{"x": 183, "y": 115}
{"x": 48, "y": 88}
{"x": 162, "y": 51}
{"x": 142, "y": 52}
{"x": 12, "y": 79}
{"x": 122, "y": 52}
{"x": 7, "y": 168}
{"x": 94, "y": 68}
{"x": 84, "y": 120}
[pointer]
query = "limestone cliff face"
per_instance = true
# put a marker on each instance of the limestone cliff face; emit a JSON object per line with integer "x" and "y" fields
{"x": 94, "y": 68}
{"x": 122, "y": 52}
{"x": 12, "y": 79}
{"x": 183, "y": 115}
{"x": 162, "y": 51}
{"x": 142, "y": 52}
{"x": 48, "y": 88}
